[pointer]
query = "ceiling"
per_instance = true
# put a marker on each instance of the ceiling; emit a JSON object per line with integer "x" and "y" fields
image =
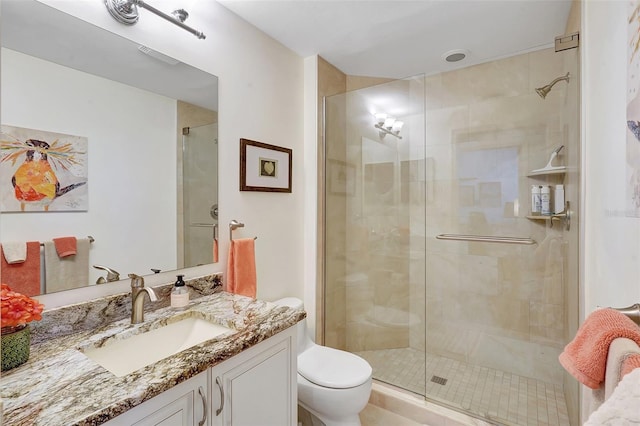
{"x": 39, "y": 30}
{"x": 397, "y": 39}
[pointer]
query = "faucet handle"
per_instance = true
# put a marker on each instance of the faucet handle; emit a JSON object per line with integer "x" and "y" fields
{"x": 112, "y": 274}
{"x": 136, "y": 281}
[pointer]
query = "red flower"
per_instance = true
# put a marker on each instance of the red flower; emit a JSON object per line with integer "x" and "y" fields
{"x": 18, "y": 309}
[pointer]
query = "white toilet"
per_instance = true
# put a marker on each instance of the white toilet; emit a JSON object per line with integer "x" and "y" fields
{"x": 333, "y": 385}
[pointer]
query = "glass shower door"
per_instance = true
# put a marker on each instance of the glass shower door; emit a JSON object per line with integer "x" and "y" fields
{"x": 200, "y": 194}
{"x": 374, "y": 230}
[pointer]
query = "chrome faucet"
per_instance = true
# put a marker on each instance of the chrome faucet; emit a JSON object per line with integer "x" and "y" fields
{"x": 112, "y": 275}
{"x": 137, "y": 298}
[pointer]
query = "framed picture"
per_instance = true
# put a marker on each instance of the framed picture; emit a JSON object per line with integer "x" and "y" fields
{"x": 264, "y": 167}
{"x": 633, "y": 112}
{"x": 341, "y": 177}
{"x": 42, "y": 171}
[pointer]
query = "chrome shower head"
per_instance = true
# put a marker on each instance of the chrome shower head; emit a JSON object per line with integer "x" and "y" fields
{"x": 543, "y": 91}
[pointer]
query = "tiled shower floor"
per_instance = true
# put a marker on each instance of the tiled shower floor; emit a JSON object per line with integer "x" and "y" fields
{"x": 494, "y": 395}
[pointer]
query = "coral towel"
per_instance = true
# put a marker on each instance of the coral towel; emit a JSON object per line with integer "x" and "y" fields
{"x": 241, "y": 267}
{"x": 23, "y": 277}
{"x": 585, "y": 357}
{"x": 65, "y": 246}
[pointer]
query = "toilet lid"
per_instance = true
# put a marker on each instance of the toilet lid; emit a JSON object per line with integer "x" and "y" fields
{"x": 332, "y": 368}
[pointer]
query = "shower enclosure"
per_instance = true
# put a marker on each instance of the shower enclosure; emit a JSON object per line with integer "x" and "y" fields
{"x": 476, "y": 326}
{"x": 200, "y": 193}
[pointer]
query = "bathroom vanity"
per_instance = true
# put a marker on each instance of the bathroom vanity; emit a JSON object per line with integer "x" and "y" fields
{"x": 244, "y": 375}
{"x": 252, "y": 388}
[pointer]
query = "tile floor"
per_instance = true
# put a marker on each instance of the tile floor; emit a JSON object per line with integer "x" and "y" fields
{"x": 496, "y": 396}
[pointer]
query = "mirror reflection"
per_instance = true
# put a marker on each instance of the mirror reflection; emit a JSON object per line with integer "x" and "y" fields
{"x": 151, "y": 132}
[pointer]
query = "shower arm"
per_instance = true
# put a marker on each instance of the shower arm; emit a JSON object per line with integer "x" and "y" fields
{"x": 555, "y": 80}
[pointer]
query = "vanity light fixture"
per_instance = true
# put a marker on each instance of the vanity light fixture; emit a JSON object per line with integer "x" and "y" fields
{"x": 126, "y": 12}
{"x": 388, "y": 125}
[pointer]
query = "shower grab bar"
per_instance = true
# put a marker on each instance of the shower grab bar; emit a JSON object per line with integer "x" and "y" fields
{"x": 486, "y": 239}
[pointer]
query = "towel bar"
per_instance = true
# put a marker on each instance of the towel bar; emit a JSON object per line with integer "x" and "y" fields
{"x": 486, "y": 239}
{"x": 633, "y": 312}
{"x": 91, "y": 239}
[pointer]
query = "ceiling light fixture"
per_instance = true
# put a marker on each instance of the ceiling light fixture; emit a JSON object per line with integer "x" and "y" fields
{"x": 126, "y": 12}
{"x": 388, "y": 125}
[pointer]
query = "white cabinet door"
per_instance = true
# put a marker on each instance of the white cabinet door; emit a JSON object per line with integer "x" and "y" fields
{"x": 183, "y": 405}
{"x": 258, "y": 386}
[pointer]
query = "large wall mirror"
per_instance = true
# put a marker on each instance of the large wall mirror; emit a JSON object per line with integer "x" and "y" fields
{"x": 150, "y": 127}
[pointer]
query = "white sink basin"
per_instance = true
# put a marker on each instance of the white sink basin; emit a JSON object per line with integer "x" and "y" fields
{"x": 122, "y": 357}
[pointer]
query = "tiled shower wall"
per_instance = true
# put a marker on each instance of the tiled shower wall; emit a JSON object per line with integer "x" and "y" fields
{"x": 494, "y": 305}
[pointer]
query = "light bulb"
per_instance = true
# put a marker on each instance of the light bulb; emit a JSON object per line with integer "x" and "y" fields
{"x": 397, "y": 126}
{"x": 380, "y": 118}
{"x": 388, "y": 123}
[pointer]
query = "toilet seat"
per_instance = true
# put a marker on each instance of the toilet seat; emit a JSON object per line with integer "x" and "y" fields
{"x": 333, "y": 368}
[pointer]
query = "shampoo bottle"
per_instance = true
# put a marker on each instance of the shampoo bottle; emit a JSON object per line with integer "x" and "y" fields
{"x": 535, "y": 200}
{"x": 558, "y": 199}
{"x": 179, "y": 294}
{"x": 545, "y": 200}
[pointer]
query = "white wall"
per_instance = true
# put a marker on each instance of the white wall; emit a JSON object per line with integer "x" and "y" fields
{"x": 41, "y": 95}
{"x": 311, "y": 195}
{"x": 611, "y": 246}
{"x": 261, "y": 98}
{"x": 611, "y": 240}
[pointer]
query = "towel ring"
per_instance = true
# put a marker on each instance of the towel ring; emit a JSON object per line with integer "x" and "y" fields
{"x": 233, "y": 225}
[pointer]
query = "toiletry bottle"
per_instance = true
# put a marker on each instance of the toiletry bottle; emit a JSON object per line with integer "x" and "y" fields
{"x": 535, "y": 200}
{"x": 179, "y": 294}
{"x": 545, "y": 200}
{"x": 558, "y": 199}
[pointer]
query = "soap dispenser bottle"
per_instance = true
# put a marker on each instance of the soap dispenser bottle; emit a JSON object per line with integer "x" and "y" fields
{"x": 179, "y": 294}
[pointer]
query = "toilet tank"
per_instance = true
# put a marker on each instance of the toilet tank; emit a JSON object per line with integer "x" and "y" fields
{"x": 304, "y": 341}
{"x": 290, "y": 302}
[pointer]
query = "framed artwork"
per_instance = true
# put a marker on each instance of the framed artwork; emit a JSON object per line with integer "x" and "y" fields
{"x": 341, "y": 177}
{"x": 633, "y": 112}
{"x": 42, "y": 171}
{"x": 264, "y": 167}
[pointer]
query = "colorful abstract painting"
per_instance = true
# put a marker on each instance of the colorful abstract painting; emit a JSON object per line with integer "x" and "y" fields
{"x": 633, "y": 112}
{"x": 42, "y": 171}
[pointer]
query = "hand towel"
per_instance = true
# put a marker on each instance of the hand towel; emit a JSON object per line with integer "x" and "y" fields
{"x": 15, "y": 252}
{"x": 65, "y": 246}
{"x": 622, "y": 407}
{"x": 65, "y": 273}
{"x": 629, "y": 364}
{"x": 215, "y": 251}
{"x": 241, "y": 267}
{"x": 585, "y": 356}
{"x": 23, "y": 277}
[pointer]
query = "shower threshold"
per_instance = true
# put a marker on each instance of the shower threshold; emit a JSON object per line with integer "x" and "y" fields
{"x": 494, "y": 396}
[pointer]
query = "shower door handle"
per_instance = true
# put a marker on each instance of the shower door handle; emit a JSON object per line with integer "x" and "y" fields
{"x": 486, "y": 239}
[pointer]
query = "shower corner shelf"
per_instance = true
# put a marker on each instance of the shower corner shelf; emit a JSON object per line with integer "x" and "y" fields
{"x": 556, "y": 171}
{"x": 565, "y": 217}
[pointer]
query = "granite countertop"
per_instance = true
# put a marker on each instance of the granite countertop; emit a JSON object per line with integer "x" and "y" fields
{"x": 59, "y": 385}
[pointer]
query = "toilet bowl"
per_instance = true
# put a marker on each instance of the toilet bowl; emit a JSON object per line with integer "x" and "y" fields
{"x": 333, "y": 385}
